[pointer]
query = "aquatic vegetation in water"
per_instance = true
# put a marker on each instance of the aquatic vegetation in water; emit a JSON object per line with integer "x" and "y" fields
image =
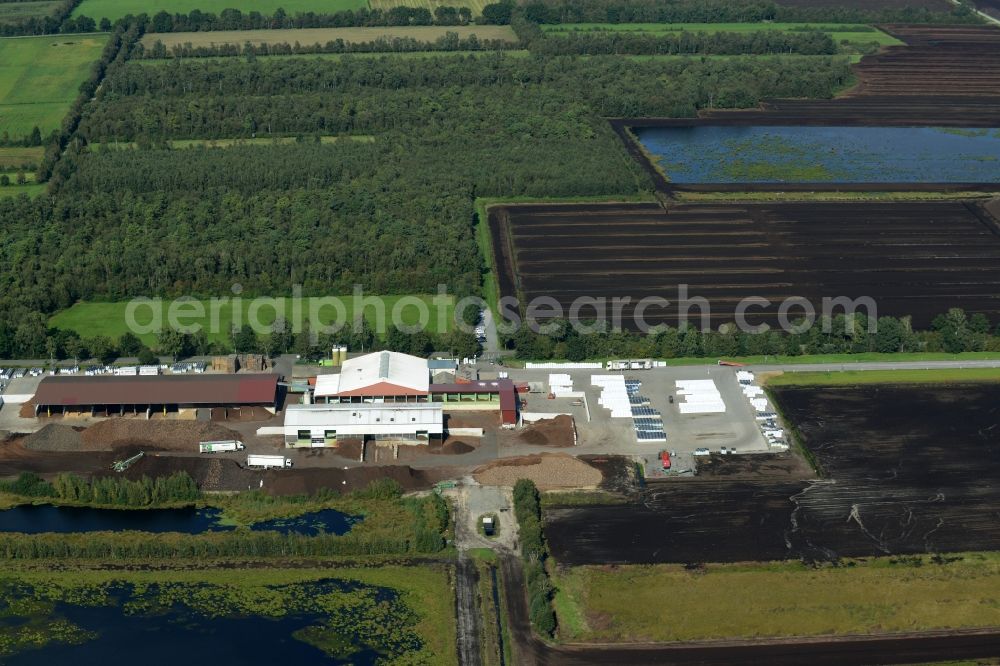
{"x": 764, "y": 154}
{"x": 340, "y": 619}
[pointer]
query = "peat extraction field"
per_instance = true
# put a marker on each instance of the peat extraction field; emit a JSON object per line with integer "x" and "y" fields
{"x": 947, "y": 76}
{"x": 906, "y": 469}
{"x": 916, "y": 259}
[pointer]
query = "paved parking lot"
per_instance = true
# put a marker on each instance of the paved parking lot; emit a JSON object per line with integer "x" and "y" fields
{"x": 735, "y": 429}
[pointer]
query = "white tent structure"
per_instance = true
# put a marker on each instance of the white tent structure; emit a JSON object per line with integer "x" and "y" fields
{"x": 699, "y": 396}
{"x": 614, "y": 395}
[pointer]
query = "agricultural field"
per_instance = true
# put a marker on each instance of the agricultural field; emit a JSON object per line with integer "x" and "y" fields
{"x": 839, "y": 33}
{"x": 931, "y": 5}
{"x": 601, "y": 604}
{"x": 476, "y": 6}
{"x": 15, "y": 157}
{"x": 905, "y": 469}
{"x": 11, "y": 12}
{"x": 116, "y": 9}
{"x": 301, "y": 615}
{"x": 110, "y": 319}
{"x": 40, "y": 77}
{"x": 989, "y": 7}
{"x": 180, "y": 144}
{"x": 424, "y": 33}
{"x": 916, "y": 259}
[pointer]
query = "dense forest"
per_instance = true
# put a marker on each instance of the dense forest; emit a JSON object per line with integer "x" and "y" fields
{"x": 394, "y": 214}
{"x": 504, "y": 101}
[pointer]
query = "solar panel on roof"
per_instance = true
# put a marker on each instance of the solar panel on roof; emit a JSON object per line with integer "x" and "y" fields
{"x": 645, "y": 411}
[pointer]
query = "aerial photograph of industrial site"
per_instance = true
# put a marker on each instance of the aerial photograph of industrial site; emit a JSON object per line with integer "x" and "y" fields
{"x": 499, "y": 332}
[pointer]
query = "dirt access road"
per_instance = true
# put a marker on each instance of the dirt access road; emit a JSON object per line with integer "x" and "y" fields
{"x": 471, "y": 502}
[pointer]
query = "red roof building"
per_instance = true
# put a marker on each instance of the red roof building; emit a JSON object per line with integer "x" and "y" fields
{"x": 166, "y": 390}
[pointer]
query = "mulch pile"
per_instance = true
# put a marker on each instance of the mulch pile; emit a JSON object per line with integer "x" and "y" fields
{"x": 55, "y": 437}
{"x": 162, "y": 435}
{"x": 451, "y": 447}
{"x": 549, "y": 471}
{"x": 557, "y": 432}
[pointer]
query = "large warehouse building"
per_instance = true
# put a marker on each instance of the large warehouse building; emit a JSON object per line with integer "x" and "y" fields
{"x": 110, "y": 395}
{"x": 375, "y": 382}
{"x": 377, "y": 378}
{"x": 326, "y": 424}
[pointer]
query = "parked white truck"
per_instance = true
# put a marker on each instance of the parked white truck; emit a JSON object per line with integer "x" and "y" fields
{"x": 220, "y": 446}
{"x": 268, "y": 462}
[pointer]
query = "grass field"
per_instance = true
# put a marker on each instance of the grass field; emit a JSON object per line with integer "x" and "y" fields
{"x": 115, "y": 9}
{"x": 30, "y": 189}
{"x": 839, "y": 33}
{"x": 475, "y": 5}
{"x": 843, "y": 359}
{"x": 423, "y": 33}
{"x": 40, "y": 77}
{"x": 853, "y": 377}
{"x": 667, "y": 603}
{"x": 178, "y": 144}
{"x": 16, "y": 11}
{"x": 14, "y": 157}
{"x": 90, "y": 319}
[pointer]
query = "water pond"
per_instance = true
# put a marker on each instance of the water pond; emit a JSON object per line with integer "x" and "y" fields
{"x": 777, "y": 154}
{"x": 35, "y": 519}
{"x": 170, "y": 623}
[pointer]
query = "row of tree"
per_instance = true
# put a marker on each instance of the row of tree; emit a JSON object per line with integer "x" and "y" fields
{"x": 534, "y": 552}
{"x": 234, "y": 19}
{"x": 718, "y": 11}
{"x": 608, "y": 42}
{"x": 953, "y": 332}
{"x": 108, "y": 490}
{"x": 451, "y": 41}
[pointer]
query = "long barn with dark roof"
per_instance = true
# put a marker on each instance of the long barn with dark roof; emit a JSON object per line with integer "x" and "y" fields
{"x": 154, "y": 393}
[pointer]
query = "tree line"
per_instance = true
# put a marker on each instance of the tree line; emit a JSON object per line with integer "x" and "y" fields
{"x": 715, "y": 11}
{"x": 60, "y": 21}
{"x": 107, "y": 490}
{"x": 534, "y": 552}
{"x": 448, "y": 42}
{"x": 953, "y": 332}
{"x": 764, "y": 42}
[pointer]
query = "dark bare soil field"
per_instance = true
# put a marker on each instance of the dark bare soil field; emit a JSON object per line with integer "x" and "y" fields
{"x": 914, "y": 259}
{"x": 943, "y": 76}
{"x": 991, "y": 7}
{"x": 932, "y": 5}
{"x": 907, "y": 469}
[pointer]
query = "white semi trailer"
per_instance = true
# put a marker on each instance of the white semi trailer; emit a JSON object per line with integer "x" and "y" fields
{"x": 220, "y": 446}
{"x": 268, "y": 462}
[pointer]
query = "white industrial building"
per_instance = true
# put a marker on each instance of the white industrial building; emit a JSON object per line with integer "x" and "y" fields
{"x": 324, "y": 424}
{"x": 381, "y": 377}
